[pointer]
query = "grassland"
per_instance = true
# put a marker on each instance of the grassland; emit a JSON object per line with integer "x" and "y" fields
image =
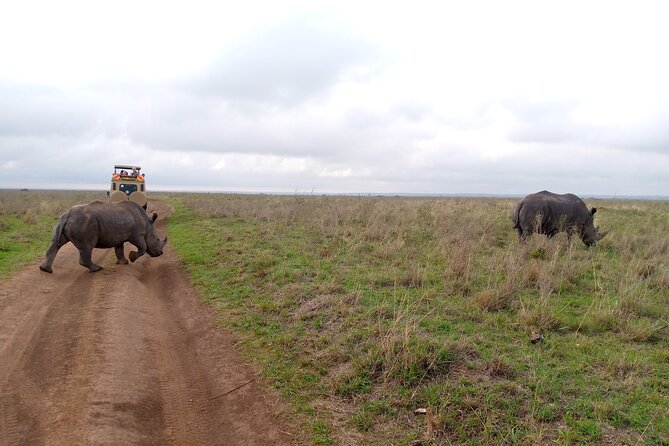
{"x": 26, "y": 223}
{"x": 360, "y": 310}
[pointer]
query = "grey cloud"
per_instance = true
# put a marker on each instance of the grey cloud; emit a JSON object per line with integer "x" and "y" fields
{"x": 268, "y": 96}
{"x": 554, "y": 123}
{"x": 178, "y": 122}
{"x": 296, "y": 61}
{"x": 33, "y": 110}
{"x": 459, "y": 175}
{"x": 549, "y": 123}
{"x": 414, "y": 111}
{"x": 652, "y": 135}
{"x": 47, "y": 158}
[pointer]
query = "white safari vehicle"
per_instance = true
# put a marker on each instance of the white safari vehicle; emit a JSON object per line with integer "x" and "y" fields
{"x": 128, "y": 183}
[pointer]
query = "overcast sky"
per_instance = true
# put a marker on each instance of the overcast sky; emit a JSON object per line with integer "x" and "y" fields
{"x": 504, "y": 97}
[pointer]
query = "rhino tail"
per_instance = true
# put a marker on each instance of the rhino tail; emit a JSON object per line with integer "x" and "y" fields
{"x": 58, "y": 230}
{"x": 515, "y": 216}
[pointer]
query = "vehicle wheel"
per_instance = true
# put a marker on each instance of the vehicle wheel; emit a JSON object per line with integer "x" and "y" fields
{"x": 138, "y": 197}
{"x": 117, "y": 196}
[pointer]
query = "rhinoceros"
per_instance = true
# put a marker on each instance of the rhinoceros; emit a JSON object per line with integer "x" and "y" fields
{"x": 105, "y": 225}
{"x": 549, "y": 213}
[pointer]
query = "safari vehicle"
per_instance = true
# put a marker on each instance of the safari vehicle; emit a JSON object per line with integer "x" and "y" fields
{"x": 127, "y": 184}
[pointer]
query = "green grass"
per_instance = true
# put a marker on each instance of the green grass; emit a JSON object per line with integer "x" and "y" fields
{"x": 21, "y": 241}
{"x": 359, "y": 310}
{"x": 350, "y": 304}
{"x": 26, "y": 223}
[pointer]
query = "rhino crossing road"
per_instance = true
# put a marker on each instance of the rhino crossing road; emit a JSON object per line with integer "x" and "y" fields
{"x": 127, "y": 355}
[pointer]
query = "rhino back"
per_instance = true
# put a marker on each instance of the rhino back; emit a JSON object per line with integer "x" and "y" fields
{"x": 105, "y": 225}
{"x": 556, "y": 210}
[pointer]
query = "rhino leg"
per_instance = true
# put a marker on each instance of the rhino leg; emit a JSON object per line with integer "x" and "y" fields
{"x": 523, "y": 233}
{"x": 140, "y": 243}
{"x": 570, "y": 233}
{"x": 120, "y": 257}
{"x": 85, "y": 260}
{"x": 51, "y": 255}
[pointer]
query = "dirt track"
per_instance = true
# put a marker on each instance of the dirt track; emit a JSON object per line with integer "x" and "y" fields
{"x": 127, "y": 355}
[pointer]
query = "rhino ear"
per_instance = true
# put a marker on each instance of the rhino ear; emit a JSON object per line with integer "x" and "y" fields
{"x": 154, "y": 217}
{"x": 592, "y": 211}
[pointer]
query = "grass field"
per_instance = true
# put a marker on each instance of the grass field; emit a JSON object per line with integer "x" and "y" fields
{"x": 360, "y": 310}
{"x": 27, "y": 219}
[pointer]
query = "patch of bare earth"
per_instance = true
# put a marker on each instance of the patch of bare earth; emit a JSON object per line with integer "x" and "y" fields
{"x": 128, "y": 355}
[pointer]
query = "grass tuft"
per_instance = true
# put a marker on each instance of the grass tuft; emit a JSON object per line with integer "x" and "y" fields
{"x": 353, "y": 304}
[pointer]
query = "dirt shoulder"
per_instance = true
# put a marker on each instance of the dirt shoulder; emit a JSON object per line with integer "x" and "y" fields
{"x": 127, "y": 355}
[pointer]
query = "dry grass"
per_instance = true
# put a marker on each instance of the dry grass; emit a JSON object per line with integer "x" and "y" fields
{"x": 446, "y": 303}
{"x": 32, "y": 204}
{"x": 26, "y": 221}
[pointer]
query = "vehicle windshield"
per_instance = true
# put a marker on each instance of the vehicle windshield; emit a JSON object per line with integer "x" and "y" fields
{"x": 127, "y": 188}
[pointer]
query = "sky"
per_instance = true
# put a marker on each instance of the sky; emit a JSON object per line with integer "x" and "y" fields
{"x": 432, "y": 97}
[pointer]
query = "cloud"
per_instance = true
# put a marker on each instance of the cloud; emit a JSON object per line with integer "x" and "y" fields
{"x": 405, "y": 101}
{"x": 179, "y": 122}
{"x": 295, "y": 61}
{"x": 544, "y": 122}
{"x": 34, "y": 110}
{"x": 572, "y": 122}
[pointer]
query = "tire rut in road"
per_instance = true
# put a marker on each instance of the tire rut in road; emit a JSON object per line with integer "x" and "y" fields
{"x": 124, "y": 401}
{"x": 181, "y": 380}
{"x": 127, "y": 355}
{"x": 39, "y": 318}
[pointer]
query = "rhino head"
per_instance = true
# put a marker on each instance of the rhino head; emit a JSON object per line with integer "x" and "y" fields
{"x": 591, "y": 234}
{"x": 154, "y": 246}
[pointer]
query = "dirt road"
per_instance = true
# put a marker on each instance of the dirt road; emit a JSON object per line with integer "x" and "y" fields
{"x": 127, "y": 355}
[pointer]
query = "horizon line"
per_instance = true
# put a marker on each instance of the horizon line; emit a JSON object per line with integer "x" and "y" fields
{"x": 354, "y": 194}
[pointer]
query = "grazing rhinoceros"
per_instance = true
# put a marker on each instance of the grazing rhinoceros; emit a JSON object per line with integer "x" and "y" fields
{"x": 548, "y": 213}
{"x": 105, "y": 225}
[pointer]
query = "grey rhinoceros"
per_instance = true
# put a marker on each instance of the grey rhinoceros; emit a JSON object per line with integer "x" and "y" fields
{"x": 105, "y": 225}
{"x": 549, "y": 213}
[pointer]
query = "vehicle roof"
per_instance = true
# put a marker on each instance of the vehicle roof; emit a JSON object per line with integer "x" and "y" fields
{"x": 126, "y": 166}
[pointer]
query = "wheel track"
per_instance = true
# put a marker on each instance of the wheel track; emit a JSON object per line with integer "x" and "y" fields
{"x": 180, "y": 380}
{"x": 128, "y": 355}
{"x": 208, "y": 375}
{"x": 124, "y": 401}
{"x": 24, "y": 322}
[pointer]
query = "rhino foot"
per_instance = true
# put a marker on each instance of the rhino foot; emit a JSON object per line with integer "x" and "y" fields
{"x": 95, "y": 268}
{"x": 46, "y": 269}
{"x": 133, "y": 256}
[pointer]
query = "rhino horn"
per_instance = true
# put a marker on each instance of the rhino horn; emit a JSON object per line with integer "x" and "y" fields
{"x": 601, "y": 235}
{"x": 165, "y": 241}
{"x": 155, "y": 216}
